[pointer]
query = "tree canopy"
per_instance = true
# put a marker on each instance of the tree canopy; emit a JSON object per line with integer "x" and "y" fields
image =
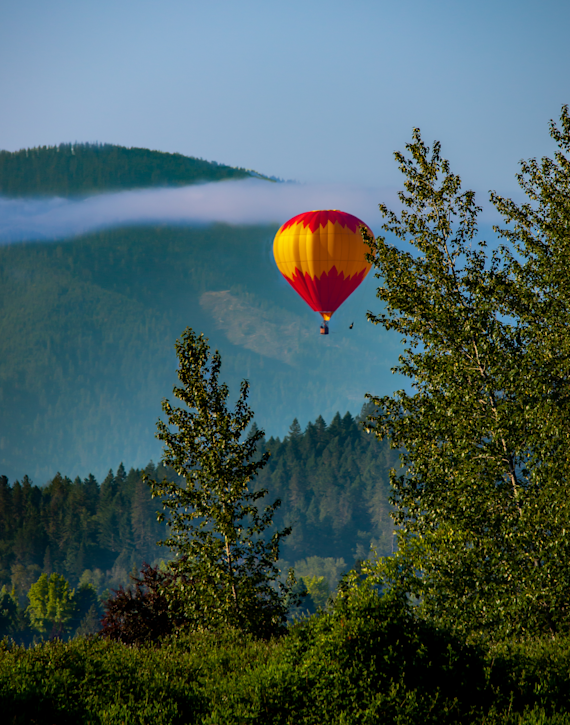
{"x": 228, "y": 570}
{"x": 482, "y": 500}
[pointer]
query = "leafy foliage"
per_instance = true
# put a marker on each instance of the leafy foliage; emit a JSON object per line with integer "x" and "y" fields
{"x": 229, "y": 572}
{"x": 318, "y": 590}
{"x": 481, "y": 501}
{"x": 368, "y": 659}
{"x": 145, "y": 614}
{"x": 52, "y": 604}
{"x": 93, "y": 680}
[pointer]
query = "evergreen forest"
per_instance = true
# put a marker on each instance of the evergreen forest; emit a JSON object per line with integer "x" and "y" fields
{"x": 82, "y": 169}
{"x": 332, "y": 481}
{"x": 86, "y": 342}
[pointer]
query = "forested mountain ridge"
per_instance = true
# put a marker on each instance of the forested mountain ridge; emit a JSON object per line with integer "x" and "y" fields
{"x": 333, "y": 482}
{"x": 80, "y": 169}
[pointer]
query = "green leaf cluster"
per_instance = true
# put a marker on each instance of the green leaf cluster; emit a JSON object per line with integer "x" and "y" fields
{"x": 51, "y": 603}
{"x": 367, "y": 659}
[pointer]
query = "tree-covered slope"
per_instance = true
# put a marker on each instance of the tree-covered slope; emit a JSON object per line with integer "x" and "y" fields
{"x": 332, "y": 481}
{"x": 80, "y": 169}
{"x": 87, "y": 331}
{"x": 87, "y": 325}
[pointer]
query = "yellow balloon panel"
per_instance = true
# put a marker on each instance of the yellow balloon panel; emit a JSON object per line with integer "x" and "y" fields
{"x": 318, "y": 251}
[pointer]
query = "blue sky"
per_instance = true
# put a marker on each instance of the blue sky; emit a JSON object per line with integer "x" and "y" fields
{"x": 320, "y": 92}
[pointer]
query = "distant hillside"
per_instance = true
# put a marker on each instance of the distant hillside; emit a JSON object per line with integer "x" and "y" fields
{"x": 88, "y": 325}
{"x": 80, "y": 169}
{"x": 87, "y": 331}
{"x": 333, "y": 482}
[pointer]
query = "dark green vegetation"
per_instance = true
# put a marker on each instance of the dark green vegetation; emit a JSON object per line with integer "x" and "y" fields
{"x": 367, "y": 660}
{"x": 78, "y": 529}
{"x": 86, "y": 331}
{"x": 81, "y": 169}
{"x": 332, "y": 481}
{"x": 333, "y": 484}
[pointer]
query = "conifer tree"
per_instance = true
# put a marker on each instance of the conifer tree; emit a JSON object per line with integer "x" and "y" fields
{"x": 8, "y": 612}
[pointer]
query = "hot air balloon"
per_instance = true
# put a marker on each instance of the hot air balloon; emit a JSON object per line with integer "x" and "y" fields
{"x": 322, "y": 256}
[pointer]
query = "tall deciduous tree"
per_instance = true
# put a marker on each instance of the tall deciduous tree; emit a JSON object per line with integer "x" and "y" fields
{"x": 482, "y": 499}
{"x": 228, "y": 572}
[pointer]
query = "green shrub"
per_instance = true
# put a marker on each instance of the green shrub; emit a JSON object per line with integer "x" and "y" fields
{"x": 370, "y": 660}
{"x": 93, "y": 681}
{"x": 367, "y": 659}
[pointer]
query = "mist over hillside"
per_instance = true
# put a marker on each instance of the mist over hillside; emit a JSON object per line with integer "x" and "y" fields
{"x": 87, "y": 332}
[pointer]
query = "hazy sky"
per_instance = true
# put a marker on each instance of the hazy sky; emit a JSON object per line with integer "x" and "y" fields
{"x": 313, "y": 90}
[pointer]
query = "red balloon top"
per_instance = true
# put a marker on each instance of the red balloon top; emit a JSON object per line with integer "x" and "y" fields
{"x": 316, "y": 219}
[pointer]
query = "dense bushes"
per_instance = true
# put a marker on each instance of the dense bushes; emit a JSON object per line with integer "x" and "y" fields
{"x": 371, "y": 660}
{"x": 93, "y": 681}
{"x": 366, "y": 660}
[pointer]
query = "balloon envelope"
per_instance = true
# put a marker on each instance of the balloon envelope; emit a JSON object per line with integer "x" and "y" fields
{"x": 322, "y": 256}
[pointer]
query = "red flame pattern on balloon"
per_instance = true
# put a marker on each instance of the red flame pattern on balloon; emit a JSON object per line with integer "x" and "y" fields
{"x": 327, "y": 292}
{"x": 316, "y": 219}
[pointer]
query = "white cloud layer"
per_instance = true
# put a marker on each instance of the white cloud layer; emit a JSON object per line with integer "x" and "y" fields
{"x": 250, "y": 201}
